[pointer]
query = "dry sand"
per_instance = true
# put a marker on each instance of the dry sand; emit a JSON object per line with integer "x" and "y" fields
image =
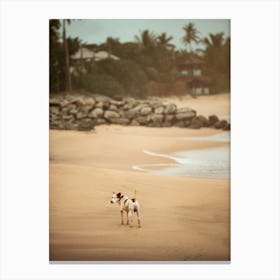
{"x": 183, "y": 218}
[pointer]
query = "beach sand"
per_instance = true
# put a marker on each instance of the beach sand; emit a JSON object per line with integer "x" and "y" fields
{"x": 183, "y": 218}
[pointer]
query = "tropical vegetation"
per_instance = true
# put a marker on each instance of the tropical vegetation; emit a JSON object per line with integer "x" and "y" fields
{"x": 145, "y": 66}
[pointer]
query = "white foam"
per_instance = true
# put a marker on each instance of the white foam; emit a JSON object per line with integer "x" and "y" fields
{"x": 220, "y": 137}
{"x": 209, "y": 163}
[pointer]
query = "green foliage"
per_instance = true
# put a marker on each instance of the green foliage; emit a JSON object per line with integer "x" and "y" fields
{"x": 145, "y": 66}
{"x": 191, "y": 35}
{"x": 57, "y": 56}
{"x": 101, "y": 84}
{"x": 217, "y": 58}
{"x": 128, "y": 73}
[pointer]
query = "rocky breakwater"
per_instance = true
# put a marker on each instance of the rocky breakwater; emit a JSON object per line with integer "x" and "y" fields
{"x": 84, "y": 113}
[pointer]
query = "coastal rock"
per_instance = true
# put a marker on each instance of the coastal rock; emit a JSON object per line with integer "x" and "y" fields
{"x": 71, "y": 126}
{"x": 54, "y": 110}
{"x": 179, "y": 123}
{"x": 86, "y": 108}
{"x": 134, "y": 123}
{"x": 223, "y": 124}
{"x": 196, "y": 123}
{"x": 111, "y": 115}
{"x": 156, "y": 118}
{"x": 99, "y": 121}
{"x": 227, "y": 127}
{"x": 142, "y": 120}
{"x": 185, "y": 110}
{"x": 120, "y": 121}
{"x": 96, "y": 113}
{"x": 68, "y": 117}
{"x": 81, "y": 115}
{"x": 170, "y": 108}
{"x": 203, "y": 120}
{"x": 159, "y": 110}
{"x": 185, "y": 115}
{"x": 169, "y": 118}
{"x": 69, "y": 108}
{"x": 213, "y": 119}
{"x": 55, "y": 102}
{"x": 145, "y": 111}
{"x": 100, "y": 104}
{"x": 86, "y": 124}
{"x": 113, "y": 108}
{"x": 130, "y": 113}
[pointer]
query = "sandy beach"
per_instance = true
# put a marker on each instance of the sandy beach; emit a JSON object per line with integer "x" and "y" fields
{"x": 183, "y": 218}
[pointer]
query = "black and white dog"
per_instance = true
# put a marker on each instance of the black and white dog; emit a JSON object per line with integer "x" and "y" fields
{"x": 129, "y": 205}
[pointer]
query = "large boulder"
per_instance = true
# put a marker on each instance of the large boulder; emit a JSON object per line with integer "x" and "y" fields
{"x": 185, "y": 114}
{"x": 86, "y": 124}
{"x": 221, "y": 124}
{"x": 131, "y": 113}
{"x": 81, "y": 115}
{"x": 159, "y": 110}
{"x": 170, "y": 108}
{"x": 69, "y": 108}
{"x": 227, "y": 127}
{"x": 196, "y": 123}
{"x": 156, "y": 118}
{"x": 213, "y": 119}
{"x": 54, "y": 110}
{"x": 109, "y": 115}
{"x": 142, "y": 120}
{"x": 145, "y": 111}
{"x": 67, "y": 117}
{"x": 96, "y": 113}
{"x": 130, "y": 103}
{"x": 90, "y": 101}
{"x": 113, "y": 107}
{"x": 203, "y": 120}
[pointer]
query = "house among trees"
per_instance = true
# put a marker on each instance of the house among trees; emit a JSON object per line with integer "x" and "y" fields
{"x": 190, "y": 71}
{"x": 89, "y": 54}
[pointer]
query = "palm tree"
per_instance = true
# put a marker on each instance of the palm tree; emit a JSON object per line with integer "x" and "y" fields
{"x": 68, "y": 85}
{"x": 146, "y": 39}
{"x": 163, "y": 42}
{"x": 214, "y": 48}
{"x": 216, "y": 40}
{"x": 191, "y": 35}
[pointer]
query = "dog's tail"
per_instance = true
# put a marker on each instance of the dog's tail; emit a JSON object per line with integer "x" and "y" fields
{"x": 134, "y": 199}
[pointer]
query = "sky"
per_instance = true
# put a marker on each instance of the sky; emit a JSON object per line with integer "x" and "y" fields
{"x": 97, "y": 30}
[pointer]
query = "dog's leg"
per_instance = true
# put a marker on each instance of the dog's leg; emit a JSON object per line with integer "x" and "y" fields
{"x": 138, "y": 217}
{"x": 127, "y": 217}
{"x": 122, "y": 216}
{"x": 130, "y": 218}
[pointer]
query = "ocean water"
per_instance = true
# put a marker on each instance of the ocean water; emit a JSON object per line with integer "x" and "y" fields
{"x": 207, "y": 163}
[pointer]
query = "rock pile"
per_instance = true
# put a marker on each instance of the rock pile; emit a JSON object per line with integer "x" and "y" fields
{"x": 83, "y": 113}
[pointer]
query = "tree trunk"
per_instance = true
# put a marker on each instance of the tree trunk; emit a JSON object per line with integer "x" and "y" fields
{"x": 68, "y": 86}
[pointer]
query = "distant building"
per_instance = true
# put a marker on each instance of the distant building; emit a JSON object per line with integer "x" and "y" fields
{"x": 88, "y": 54}
{"x": 190, "y": 71}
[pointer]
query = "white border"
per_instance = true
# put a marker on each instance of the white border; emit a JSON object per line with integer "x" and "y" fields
{"x": 255, "y": 138}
